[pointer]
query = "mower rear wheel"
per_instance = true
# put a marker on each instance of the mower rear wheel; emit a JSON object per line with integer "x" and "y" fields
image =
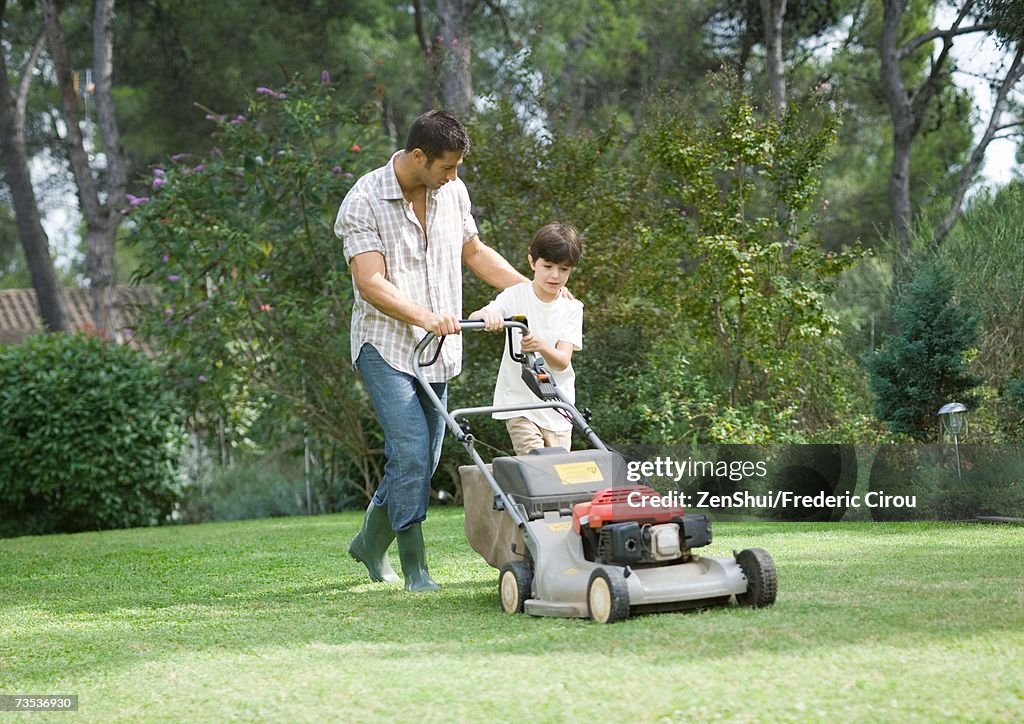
{"x": 762, "y": 583}
{"x": 514, "y": 586}
{"x": 607, "y": 595}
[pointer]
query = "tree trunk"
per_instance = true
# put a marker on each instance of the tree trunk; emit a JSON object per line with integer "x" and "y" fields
{"x": 772, "y": 14}
{"x": 902, "y": 130}
{"x": 429, "y": 99}
{"x": 101, "y": 218}
{"x": 908, "y": 108}
{"x": 26, "y": 210}
{"x": 454, "y": 51}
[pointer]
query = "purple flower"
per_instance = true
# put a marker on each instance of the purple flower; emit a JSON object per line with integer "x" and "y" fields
{"x": 238, "y": 120}
{"x": 136, "y": 200}
{"x": 179, "y": 156}
{"x": 159, "y": 172}
{"x": 325, "y": 77}
{"x": 201, "y": 378}
{"x": 264, "y": 91}
{"x": 168, "y": 311}
{"x": 173, "y": 278}
{"x": 349, "y": 174}
{"x": 166, "y": 258}
{"x": 158, "y": 182}
{"x": 336, "y": 170}
{"x": 199, "y": 168}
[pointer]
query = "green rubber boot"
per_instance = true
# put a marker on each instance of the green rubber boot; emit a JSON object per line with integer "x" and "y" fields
{"x": 414, "y": 559}
{"x": 370, "y": 546}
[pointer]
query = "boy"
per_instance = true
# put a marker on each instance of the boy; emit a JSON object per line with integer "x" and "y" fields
{"x": 556, "y": 331}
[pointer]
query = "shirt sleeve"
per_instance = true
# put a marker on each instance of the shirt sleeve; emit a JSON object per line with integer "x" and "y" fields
{"x": 469, "y": 228}
{"x": 357, "y": 227}
{"x": 572, "y": 328}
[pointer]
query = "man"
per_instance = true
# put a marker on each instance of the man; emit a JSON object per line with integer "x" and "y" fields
{"x": 407, "y": 229}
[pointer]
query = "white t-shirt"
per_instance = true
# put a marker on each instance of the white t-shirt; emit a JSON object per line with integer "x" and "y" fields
{"x": 553, "y": 322}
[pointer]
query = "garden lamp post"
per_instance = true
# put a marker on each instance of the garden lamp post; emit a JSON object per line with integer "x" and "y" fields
{"x": 954, "y": 419}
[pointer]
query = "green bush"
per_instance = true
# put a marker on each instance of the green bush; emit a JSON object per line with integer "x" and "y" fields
{"x": 926, "y": 364}
{"x": 91, "y": 437}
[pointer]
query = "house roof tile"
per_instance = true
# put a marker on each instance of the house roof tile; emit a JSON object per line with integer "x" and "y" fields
{"x": 19, "y": 313}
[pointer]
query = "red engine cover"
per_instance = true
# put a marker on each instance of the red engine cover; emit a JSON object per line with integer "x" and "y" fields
{"x": 640, "y": 503}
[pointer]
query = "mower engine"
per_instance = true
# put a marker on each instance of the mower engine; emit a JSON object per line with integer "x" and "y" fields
{"x": 631, "y": 526}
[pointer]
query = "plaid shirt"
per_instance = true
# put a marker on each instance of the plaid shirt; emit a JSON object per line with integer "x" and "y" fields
{"x": 426, "y": 268}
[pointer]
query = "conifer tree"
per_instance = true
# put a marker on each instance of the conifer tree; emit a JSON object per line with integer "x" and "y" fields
{"x": 924, "y": 365}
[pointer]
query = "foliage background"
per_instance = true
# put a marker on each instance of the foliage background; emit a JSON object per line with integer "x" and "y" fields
{"x": 728, "y": 298}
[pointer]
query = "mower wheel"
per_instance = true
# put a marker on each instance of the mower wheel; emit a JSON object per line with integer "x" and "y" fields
{"x": 762, "y": 583}
{"x": 514, "y": 586}
{"x": 608, "y": 595}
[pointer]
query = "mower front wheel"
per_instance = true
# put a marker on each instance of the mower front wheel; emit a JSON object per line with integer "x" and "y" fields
{"x": 762, "y": 584}
{"x": 514, "y": 586}
{"x": 608, "y": 595}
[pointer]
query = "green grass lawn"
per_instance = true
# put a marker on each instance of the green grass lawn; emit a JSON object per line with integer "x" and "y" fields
{"x": 272, "y": 621}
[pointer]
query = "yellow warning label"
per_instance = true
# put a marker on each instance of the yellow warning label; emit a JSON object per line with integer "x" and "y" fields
{"x": 555, "y": 527}
{"x": 579, "y": 473}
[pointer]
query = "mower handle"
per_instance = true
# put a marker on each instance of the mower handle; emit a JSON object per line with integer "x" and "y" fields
{"x": 515, "y": 323}
{"x": 464, "y": 437}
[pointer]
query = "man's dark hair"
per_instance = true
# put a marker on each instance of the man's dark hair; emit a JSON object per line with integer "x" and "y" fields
{"x": 436, "y": 133}
{"x": 558, "y": 243}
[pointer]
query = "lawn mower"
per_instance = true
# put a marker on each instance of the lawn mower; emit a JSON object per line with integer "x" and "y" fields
{"x": 571, "y": 536}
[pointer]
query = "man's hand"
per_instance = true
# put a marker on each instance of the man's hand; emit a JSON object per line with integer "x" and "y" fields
{"x": 443, "y": 324}
{"x": 493, "y": 321}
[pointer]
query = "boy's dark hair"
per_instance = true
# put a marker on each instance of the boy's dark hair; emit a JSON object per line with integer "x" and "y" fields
{"x": 435, "y": 133}
{"x": 558, "y": 243}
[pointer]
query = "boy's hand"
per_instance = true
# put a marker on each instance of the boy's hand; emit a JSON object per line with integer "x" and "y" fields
{"x": 532, "y": 343}
{"x": 491, "y": 319}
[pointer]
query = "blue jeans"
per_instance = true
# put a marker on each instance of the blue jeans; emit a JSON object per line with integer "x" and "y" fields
{"x": 413, "y": 433}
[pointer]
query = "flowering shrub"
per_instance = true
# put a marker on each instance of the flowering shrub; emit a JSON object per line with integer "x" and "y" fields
{"x": 254, "y": 289}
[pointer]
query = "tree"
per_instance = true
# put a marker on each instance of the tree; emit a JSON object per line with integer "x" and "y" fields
{"x": 1005, "y": 16}
{"x": 909, "y": 107}
{"x": 924, "y": 365}
{"x": 738, "y": 285}
{"x": 449, "y": 50}
{"x": 16, "y": 170}
{"x": 102, "y": 211}
{"x": 598, "y": 62}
